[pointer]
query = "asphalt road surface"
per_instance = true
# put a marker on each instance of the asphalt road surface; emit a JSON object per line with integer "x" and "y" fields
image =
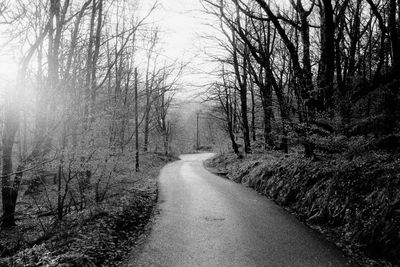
{"x": 205, "y": 220}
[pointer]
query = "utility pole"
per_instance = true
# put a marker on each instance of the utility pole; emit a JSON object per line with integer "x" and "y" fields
{"x": 197, "y": 131}
{"x": 136, "y": 121}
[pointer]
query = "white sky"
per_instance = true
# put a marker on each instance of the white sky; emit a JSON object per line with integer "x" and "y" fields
{"x": 8, "y": 66}
{"x": 182, "y": 23}
{"x": 179, "y": 19}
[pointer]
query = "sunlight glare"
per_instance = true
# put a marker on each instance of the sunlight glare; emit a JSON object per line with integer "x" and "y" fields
{"x": 8, "y": 73}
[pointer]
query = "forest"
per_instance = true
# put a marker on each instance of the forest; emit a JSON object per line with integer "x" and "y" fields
{"x": 308, "y": 93}
{"x": 307, "y": 70}
{"x": 301, "y": 104}
{"x": 85, "y": 125}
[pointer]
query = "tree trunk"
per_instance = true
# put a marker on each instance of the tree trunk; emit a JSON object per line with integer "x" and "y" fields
{"x": 148, "y": 86}
{"x": 253, "y": 113}
{"x": 232, "y": 137}
{"x": 241, "y": 78}
{"x": 230, "y": 113}
{"x": 245, "y": 122}
{"x": 89, "y": 66}
{"x": 136, "y": 122}
{"x": 167, "y": 131}
{"x": 8, "y": 191}
{"x": 394, "y": 40}
{"x": 146, "y": 120}
{"x": 327, "y": 60}
{"x": 96, "y": 52}
{"x": 266, "y": 97}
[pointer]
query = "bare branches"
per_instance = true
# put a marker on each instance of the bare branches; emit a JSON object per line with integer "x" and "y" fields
{"x": 312, "y": 54}
{"x": 77, "y": 64}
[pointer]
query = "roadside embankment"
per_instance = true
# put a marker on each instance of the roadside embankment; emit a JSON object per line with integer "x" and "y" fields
{"x": 353, "y": 200}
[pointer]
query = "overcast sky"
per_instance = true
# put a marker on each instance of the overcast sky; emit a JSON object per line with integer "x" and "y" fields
{"x": 182, "y": 22}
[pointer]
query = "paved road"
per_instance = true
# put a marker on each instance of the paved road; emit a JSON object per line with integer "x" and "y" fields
{"x": 209, "y": 221}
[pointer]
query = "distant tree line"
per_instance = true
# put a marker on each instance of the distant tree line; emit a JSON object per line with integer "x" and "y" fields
{"x": 299, "y": 72}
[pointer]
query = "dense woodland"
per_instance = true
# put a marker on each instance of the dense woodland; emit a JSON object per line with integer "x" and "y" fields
{"x": 308, "y": 92}
{"x": 307, "y": 72}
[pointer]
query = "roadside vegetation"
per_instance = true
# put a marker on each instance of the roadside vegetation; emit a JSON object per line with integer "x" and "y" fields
{"x": 351, "y": 198}
{"x": 307, "y": 93}
{"x": 85, "y": 126}
{"x": 98, "y": 232}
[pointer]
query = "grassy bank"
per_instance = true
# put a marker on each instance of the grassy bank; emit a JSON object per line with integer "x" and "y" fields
{"x": 353, "y": 199}
{"x": 100, "y": 234}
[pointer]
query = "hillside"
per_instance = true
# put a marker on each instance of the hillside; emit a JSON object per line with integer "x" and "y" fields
{"x": 352, "y": 199}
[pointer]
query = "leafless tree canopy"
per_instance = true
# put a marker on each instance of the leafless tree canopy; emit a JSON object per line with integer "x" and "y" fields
{"x": 310, "y": 69}
{"x": 90, "y": 85}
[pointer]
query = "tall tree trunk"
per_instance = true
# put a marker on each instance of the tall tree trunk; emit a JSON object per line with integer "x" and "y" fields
{"x": 394, "y": 38}
{"x": 232, "y": 137}
{"x": 136, "y": 123}
{"x": 8, "y": 191}
{"x": 327, "y": 60}
{"x": 147, "y": 113}
{"x": 230, "y": 113}
{"x": 253, "y": 113}
{"x": 96, "y": 52}
{"x": 354, "y": 39}
{"x": 241, "y": 77}
{"x": 89, "y": 66}
{"x": 230, "y": 121}
{"x": 266, "y": 97}
{"x": 166, "y": 139}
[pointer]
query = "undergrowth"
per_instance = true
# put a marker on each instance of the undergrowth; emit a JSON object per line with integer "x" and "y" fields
{"x": 101, "y": 234}
{"x": 353, "y": 198}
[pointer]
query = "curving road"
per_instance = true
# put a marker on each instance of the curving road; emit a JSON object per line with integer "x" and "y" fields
{"x": 209, "y": 221}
